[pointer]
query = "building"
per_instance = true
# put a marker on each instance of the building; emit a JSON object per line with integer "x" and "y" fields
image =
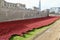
{"x": 5, "y": 4}
{"x": 39, "y": 4}
{"x": 18, "y": 11}
{"x": 55, "y": 9}
{"x": 36, "y": 8}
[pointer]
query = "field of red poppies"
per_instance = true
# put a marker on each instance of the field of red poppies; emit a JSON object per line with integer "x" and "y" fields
{"x": 19, "y": 27}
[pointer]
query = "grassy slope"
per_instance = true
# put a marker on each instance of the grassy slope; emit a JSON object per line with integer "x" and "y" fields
{"x": 30, "y": 35}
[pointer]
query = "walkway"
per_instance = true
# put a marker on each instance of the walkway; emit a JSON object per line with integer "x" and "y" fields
{"x": 51, "y": 34}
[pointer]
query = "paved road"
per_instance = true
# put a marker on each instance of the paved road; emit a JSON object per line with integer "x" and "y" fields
{"x": 51, "y": 34}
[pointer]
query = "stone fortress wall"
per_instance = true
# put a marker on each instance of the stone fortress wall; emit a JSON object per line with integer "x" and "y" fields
{"x": 16, "y": 11}
{"x": 13, "y": 5}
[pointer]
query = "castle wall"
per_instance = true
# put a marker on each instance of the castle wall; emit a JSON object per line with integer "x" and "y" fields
{"x": 13, "y": 5}
{"x": 11, "y": 11}
{"x": 15, "y": 14}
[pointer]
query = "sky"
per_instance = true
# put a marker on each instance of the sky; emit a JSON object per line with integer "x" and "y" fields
{"x": 45, "y": 4}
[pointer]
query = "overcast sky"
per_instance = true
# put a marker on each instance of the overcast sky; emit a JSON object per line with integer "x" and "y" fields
{"x": 45, "y": 4}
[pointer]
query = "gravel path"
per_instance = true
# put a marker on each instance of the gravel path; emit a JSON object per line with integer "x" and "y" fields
{"x": 51, "y": 34}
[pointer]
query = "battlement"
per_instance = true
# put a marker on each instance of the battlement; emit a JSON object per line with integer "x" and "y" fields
{"x": 5, "y": 4}
{"x": 11, "y": 5}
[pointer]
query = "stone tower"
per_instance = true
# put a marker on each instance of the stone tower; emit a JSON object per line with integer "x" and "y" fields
{"x": 1, "y": 3}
